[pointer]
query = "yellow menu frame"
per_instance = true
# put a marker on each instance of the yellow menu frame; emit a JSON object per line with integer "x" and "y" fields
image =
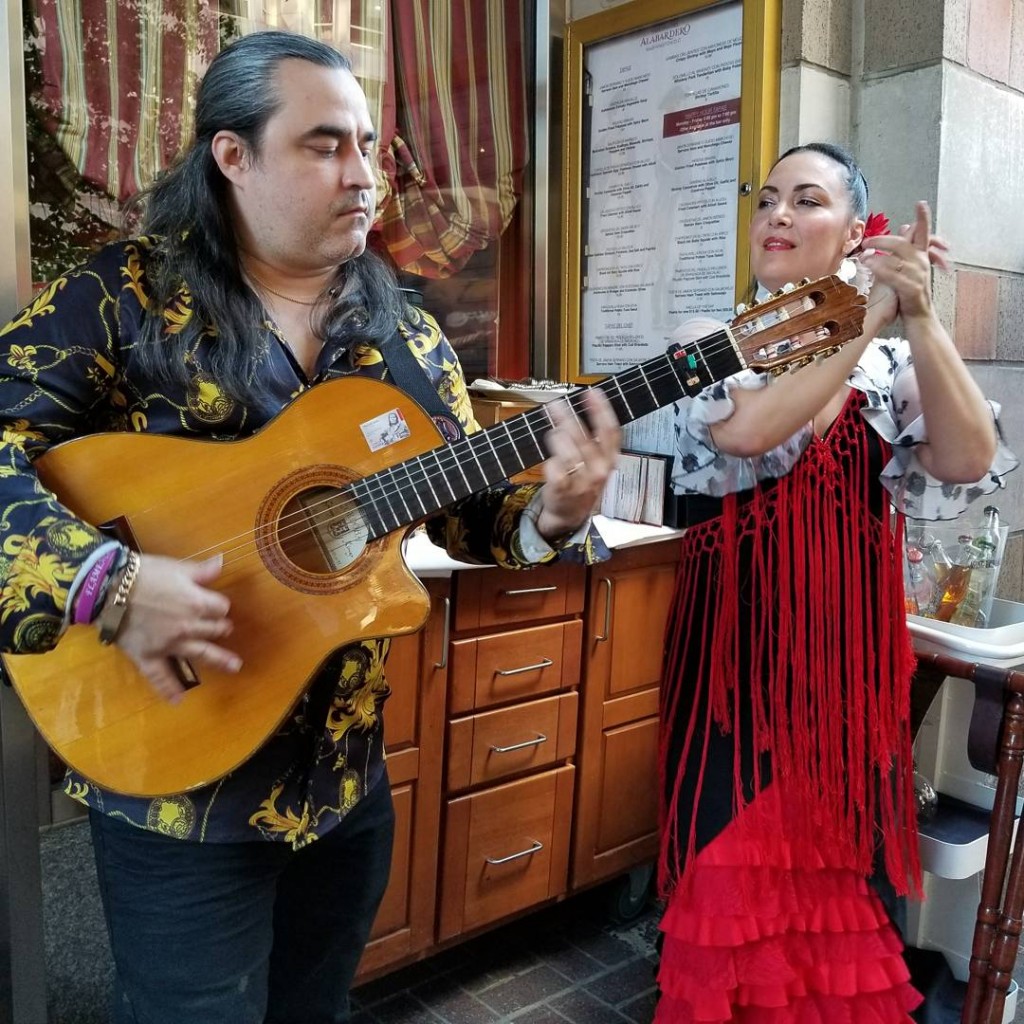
{"x": 759, "y": 130}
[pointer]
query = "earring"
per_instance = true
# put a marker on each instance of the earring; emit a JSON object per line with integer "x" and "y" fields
{"x": 847, "y": 270}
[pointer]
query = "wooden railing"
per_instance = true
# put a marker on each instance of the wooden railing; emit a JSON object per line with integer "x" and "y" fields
{"x": 995, "y": 745}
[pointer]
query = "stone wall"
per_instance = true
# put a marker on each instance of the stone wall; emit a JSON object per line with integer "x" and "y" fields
{"x": 930, "y": 95}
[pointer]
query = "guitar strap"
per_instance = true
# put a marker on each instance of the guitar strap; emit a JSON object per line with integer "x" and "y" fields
{"x": 407, "y": 374}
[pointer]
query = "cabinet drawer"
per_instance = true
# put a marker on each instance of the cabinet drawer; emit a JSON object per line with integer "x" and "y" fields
{"x": 506, "y": 849}
{"x": 496, "y": 744}
{"x": 500, "y": 597}
{"x": 503, "y": 667}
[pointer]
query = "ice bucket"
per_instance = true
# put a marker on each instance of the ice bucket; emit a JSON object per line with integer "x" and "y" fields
{"x": 950, "y": 569}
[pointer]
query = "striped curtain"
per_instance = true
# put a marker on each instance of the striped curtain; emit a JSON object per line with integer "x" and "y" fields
{"x": 119, "y": 82}
{"x": 454, "y": 140}
{"x": 446, "y": 81}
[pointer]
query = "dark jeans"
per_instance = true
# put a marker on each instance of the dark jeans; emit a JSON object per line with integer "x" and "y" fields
{"x": 241, "y": 933}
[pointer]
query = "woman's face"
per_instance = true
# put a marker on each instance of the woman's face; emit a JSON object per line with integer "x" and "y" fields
{"x": 803, "y": 225}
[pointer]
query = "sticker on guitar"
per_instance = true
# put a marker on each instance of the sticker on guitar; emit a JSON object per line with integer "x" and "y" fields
{"x": 386, "y": 429}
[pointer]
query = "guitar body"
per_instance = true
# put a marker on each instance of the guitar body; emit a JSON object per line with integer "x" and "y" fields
{"x": 291, "y": 606}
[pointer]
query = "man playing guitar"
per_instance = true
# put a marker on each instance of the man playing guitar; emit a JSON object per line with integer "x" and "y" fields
{"x": 248, "y": 898}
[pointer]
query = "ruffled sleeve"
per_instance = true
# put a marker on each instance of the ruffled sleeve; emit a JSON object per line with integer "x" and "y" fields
{"x": 884, "y": 375}
{"x": 698, "y": 466}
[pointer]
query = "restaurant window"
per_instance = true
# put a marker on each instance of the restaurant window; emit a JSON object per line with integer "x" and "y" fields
{"x": 110, "y": 97}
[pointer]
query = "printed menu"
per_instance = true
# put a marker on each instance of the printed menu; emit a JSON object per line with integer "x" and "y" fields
{"x": 659, "y": 185}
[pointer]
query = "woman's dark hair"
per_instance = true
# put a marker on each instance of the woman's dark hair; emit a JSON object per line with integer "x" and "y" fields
{"x": 187, "y": 207}
{"x": 856, "y": 183}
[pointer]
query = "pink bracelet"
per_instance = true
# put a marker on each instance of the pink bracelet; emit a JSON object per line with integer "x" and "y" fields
{"x": 85, "y": 603}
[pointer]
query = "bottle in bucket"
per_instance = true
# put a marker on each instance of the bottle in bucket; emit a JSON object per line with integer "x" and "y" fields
{"x": 918, "y": 586}
{"x": 973, "y": 607}
{"x": 956, "y": 579}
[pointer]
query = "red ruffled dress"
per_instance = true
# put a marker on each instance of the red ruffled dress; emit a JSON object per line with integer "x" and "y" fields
{"x": 787, "y": 779}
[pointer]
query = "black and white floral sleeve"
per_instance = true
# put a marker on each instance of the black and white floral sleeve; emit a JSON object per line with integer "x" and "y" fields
{"x": 885, "y": 375}
{"x": 698, "y": 466}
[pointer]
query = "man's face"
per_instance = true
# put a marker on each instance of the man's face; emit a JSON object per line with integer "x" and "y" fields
{"x": 308, "y": 200}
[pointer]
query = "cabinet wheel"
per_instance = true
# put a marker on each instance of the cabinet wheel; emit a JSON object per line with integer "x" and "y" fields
{"x": 630, "y": 894}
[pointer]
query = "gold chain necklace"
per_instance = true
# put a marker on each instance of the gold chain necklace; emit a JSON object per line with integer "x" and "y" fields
{"x": 288, "y": 298}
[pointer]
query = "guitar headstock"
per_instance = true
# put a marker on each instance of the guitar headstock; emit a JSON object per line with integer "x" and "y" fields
{"x": 790, "y": 328}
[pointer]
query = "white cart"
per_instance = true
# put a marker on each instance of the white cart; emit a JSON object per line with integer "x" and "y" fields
{"x": 960, "y": 746}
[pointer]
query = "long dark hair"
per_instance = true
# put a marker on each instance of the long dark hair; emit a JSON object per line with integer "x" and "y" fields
{"x": 187, "y": 208}
{"x": 856, "y": 183}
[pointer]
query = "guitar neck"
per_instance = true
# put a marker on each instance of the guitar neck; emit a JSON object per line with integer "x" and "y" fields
{"x": 397, "y": 497}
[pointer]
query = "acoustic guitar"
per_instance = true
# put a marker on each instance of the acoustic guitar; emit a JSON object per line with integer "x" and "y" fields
{"x": 309, "y": 516}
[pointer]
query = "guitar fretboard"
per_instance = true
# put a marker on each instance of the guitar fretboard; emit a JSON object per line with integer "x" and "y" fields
{"x": 403, "y": 494}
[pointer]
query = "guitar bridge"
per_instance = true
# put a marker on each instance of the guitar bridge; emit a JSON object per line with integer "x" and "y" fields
{"x": 185, "y": 673}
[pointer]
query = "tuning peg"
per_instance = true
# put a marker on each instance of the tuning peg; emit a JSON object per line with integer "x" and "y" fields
{"x": 788, "y": 287}
{"x": 777, "y": 371}
{"x": 741, "y": 308}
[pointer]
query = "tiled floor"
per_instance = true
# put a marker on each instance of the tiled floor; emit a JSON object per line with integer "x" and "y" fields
{"x": 570, "y": 962}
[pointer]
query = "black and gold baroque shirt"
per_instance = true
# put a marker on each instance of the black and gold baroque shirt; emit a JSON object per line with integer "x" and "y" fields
{"x": 66, "y": 369}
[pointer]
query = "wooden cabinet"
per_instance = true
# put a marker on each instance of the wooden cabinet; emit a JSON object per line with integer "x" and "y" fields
{"x": 413, "y": 731}
{"x": 616, "y": 813}
{"x": 517, "y": 664}
{"x": 515, "y": 669}
{"x": 522, "y": 740}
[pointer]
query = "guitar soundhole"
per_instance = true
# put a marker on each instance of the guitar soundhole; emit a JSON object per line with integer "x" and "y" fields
{"x": 321, "y": 530}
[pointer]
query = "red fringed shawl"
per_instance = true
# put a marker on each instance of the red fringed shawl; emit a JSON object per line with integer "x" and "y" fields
{"x": 788, "y": 633}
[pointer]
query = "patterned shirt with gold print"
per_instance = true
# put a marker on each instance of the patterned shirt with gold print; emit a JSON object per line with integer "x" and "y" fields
{"x": 66, "y": 369}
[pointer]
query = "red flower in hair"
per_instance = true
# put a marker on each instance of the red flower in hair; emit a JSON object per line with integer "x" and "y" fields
{"x": 876, "y": 224}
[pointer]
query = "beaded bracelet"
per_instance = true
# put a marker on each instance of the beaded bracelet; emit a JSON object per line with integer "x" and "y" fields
{"x": 112, "y": 614}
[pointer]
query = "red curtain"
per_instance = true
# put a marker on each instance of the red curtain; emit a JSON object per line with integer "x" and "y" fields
{"x": 119, "y": 82}
{"x": 454, "y": 141}
{"x": 118, "y": 91}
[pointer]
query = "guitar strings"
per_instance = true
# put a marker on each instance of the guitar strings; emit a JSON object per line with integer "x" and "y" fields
{"x": 379, "y": 489}
{"x": 340, "y": 506}
{"x": 451, "y": 454}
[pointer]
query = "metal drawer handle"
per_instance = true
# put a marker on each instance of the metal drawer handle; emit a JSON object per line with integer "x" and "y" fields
{"x": 536, "y": 847}
{"x": 443, "y": 663}
{"x": 602, "y": 637}
{"x": 541, "y": 738}
{"x": 529, "y": 590}
{"x": 543, "y": 663}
